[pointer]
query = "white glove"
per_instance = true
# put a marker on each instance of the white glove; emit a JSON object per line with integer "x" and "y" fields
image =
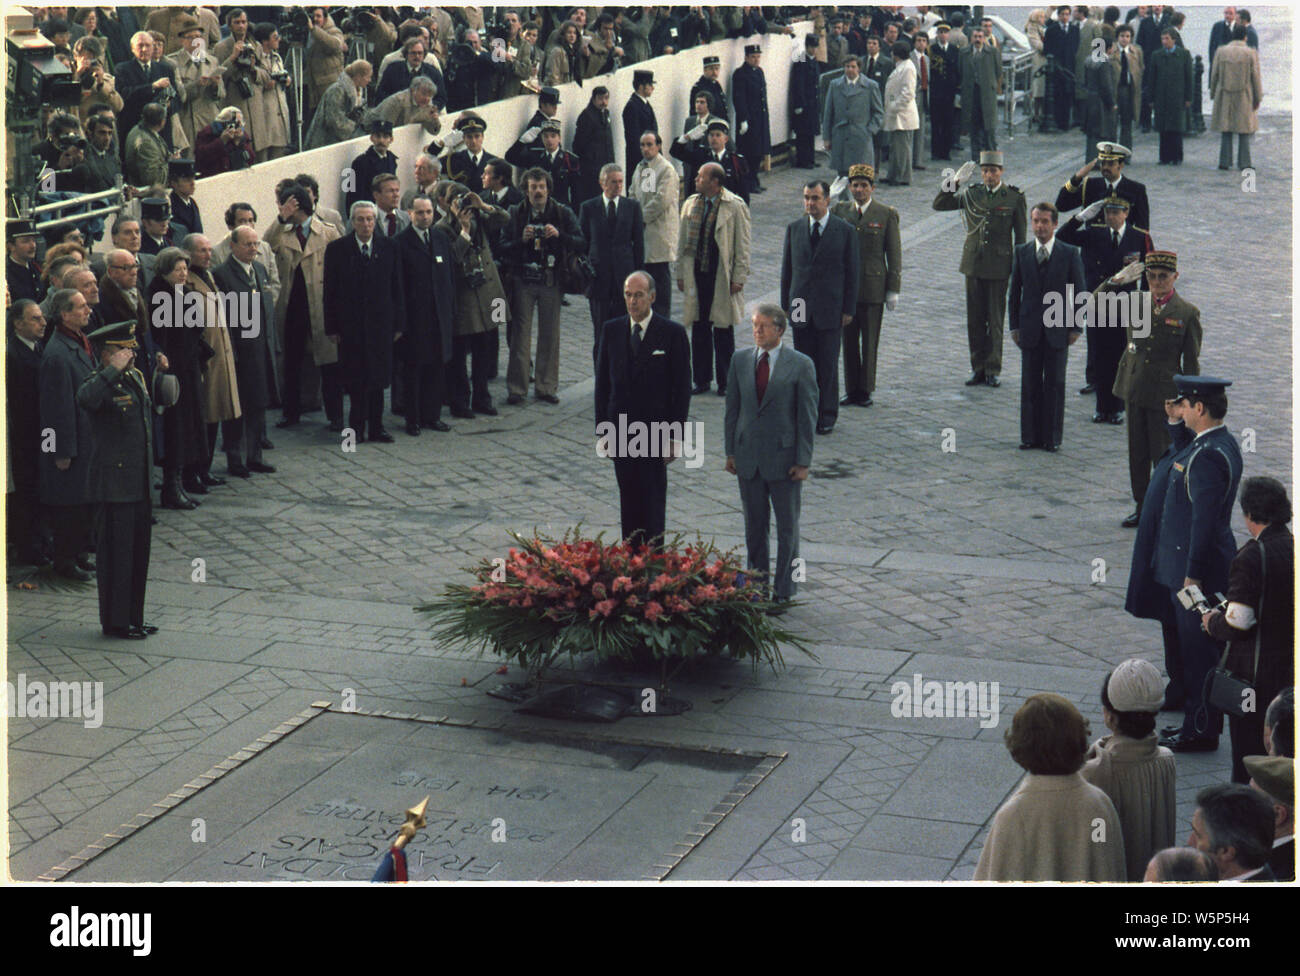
{"x": 1128, "y": 274}
{"x": 838, "y": 187}
{"x": 744, "y": 127}
{"x": 530, "y": 135}
{"x": 453, "y": 139}
{"x": 698, "y": 132}
{"x": 966, "y": 171}
{"x": 891, "y": 300}
{"x": 798, "y": 111}
{"x": 1090, "y": 211}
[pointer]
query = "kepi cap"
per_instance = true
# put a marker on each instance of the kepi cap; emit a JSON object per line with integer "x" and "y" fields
{"x": 549, "y": 94}
{"x": 180, "y": 168}
{"x": 118, "y": 334}
{"x": 712, "y": 61}
{"x": 1161, "y": 261}
{"x": 381, "y": 127}
{"x": 719, "y": 125}
{"x": 155, "y": 208}
{"x": 16, "y": 228}
{"x": 991, "y": 157}
{"x": 640, "y": 77}
{"x": 551, "y": 125}
{"x": 862, "y": 171}
{"x": 1116, "y": 202}
{"x": 753, "y": 49}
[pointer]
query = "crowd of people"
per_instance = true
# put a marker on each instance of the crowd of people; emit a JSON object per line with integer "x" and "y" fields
{"x": 412, "y": 285}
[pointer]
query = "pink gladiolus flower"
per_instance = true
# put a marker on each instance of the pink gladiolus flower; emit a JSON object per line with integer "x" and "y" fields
{"x": 653, "y": 611}
{"x": 598, "y": 591}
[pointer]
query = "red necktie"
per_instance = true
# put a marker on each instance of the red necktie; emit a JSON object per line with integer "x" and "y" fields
{"x": 302, "y": 237}
{"x": 925, "y": 73}
{"x": 760, "y": 380}
{"x": 392, "y": 225}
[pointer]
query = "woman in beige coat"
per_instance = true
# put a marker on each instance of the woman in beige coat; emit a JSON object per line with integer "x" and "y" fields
{"x": 273, "y": 106}
{"x": 1055, "y": 826}
{"x": 1237, "y": 90}
{"x": 1129, "y": 766}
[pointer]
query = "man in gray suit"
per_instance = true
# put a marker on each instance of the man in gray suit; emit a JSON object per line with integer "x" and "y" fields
{"x": 853, "y": 115}
{"x": 771, "y": 411}
{"x": 819, "y": 285}
{"x": 981, "y": 83}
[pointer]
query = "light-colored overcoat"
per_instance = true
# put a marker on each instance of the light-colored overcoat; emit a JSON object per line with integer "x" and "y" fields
{"x": 1236, "y": 88}
{"x": 656, "y": 187}
{"x": 731, "y": 231}
{"x": 1139, "y": 776}
{"x": 220, "y": 386}
{"x": 289, "y": 255}
{"x": 901, "y": 113}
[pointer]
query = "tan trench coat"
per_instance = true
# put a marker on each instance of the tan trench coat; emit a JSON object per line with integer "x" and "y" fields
{"x": 656, "y": 186}
{"x": 288, "y": 256}
{"x": 1236, "y": 88}
{"x": 199, "y": 104}
{"x": 732, "y": 234}
{"x": 220, "y": 389}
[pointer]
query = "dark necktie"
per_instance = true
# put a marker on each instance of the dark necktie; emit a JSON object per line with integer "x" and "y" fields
{"x": 365, "y": 252}
{"x": 1114, "y": 239}
{"x": 636, "y": 339}
{"x": 1123, "y": 68}
{"x": 760, "y": 378}
{"x": 613, "y": 217}
{"x": 301, "y": 231}
{"x": 392, "y": 225}
{"x": 424, "y": 239}
{"x": 816, "y": 235}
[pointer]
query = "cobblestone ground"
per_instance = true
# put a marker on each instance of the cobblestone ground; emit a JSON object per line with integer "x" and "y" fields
{"x": 979, "y": 563}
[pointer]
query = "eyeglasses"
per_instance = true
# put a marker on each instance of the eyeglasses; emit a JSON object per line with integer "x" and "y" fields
{"x": 124, "y": 267}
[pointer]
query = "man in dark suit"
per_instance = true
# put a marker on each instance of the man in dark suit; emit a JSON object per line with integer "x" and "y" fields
{"x": 1046, "y": 275}
{"x": 425, "y": 347}
{"x": 243, "y": 274}
{"x": 1057, "y": 45}
{"x": 1221, "y": 33}
{"x": 65, "y": 469}
{"x": 364, "y": 313}
{"x": 643, "y": 377}
{"x": 945, "y": 83}
{"x": 768, "y": 437}
{"x": 375, "y": 161}
{"x": 615, "y": 231}
{"x": 638, "y": 116}
{"x": 116, "y": 400}
{"x": 1107, "y": 248}
{"x": 23, "y": 349}
{"x": 1234, "y": 825}
{"x": 593, "y": 141}
{"x": 1196, "y": 545}
{"x": 1148, "y": 39}
{"x": 397, "y": 76}
{"x": 499, "y": 188}
{"x": 819, "y": 285}
{"x": 22, "y": 273}
{"x": 139, "y": 82}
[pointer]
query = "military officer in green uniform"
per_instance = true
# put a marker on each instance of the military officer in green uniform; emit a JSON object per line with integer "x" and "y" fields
{"x": 117, "y": 399}
{"x": 880, "y": 270}
{"x": 995, "y": 218}
{"x": 1145, "y": 379}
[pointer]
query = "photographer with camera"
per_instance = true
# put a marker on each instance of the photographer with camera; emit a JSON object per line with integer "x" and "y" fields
{"x": 413, "y": 105}
{"x": 97, "y": 86}
{"x": 326, "y": 50}
{"x": 62, "y": 133}
{"x": 471, "y": 225}
{"x": 199, "y": 85}
{"x": 536, "y": 244}
{"x": 273, "y": 139}
{"x": 237, "y": 55}
{"x": 341, "y": 109}
{"x": 224, "y": 145}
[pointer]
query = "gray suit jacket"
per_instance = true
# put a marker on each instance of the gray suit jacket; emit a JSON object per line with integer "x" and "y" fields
{"x": 768, "y": 439}
{"x": 827, "y": 286}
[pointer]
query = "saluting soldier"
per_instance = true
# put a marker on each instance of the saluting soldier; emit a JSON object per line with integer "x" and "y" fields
{"x": 994, "y": 214}
{"x": 117, "y": 400}
{"x": 564, "y": 166}
{"x": 880, "y": 251}
{"x": 1145, "y": 379}
{"x": 466, "y": 165}
{"x": 1081, "y": 189}
{"x": 718, "y": 135}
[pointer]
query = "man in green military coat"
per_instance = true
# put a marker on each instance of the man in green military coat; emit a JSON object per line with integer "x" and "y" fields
{"x": 1170, "y": 74}
{"x": 117, "y": 399}
{"x": 880, "y": 253}
{"x": 995, "y": 217}
{"x": 1145, "y": 379}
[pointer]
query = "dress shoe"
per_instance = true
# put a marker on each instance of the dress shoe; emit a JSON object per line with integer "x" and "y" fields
{"x": 265, "y": 444}
{"x": 438, "y": 425}
{"x": 548, "y": 398}
{"x": 514, "y": 399}
{"x": 1101, "y": 418}
{"x": 87, "y": 563}
{"x": 211, "y": 480}
{"x": 977, "y": 379}
{"x": 1132, "y": 519}
{"x": 74, "y": 572}
{"x": 699, "y": 388}
{"x": 1051, "y": 448}
{"x": 1087, "y": 389}
{"x": 992, "y": 380}
{"x": 1170, "y": 730}
{"x": 1182, "y": 743}
{"x": 381, "y": 436}
{"x": 174, "y": 496}
{"x": 780, "y": 606}
{"x": 486, "y": 409}
{"x": 149, "y": 629}
{"x": 285, "y": 422}
{"x": 261, "y": 467}
{"x": 1027, "y": 446}
{"x": 849, "y": 401}
{"x": 759, "y": 189}
{"x": 193, "y": 486}
{"x": 413, "y": 429}
{"x": 1116, "y": 418}
{"x": 460, "y": 413}
{"x": 238, "y": 470}
{"x": 125, "y": 633}
{"x": 722, "y": 391}
{"x": 825, "y": 428}
{"x": 919, "y": 166}
{"x": 866, "y": 402}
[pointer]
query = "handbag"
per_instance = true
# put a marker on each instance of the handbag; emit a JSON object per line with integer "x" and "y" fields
{"x": 1223, "y": 689}
{"x": 579, "y": 275}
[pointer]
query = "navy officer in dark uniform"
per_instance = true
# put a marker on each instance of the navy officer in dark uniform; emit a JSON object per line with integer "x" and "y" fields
{"x": 22, "y": 273}
{"x": 466, "y": 165}
{"x": 1196, "y": 546}
{"x": 719, "y": 151}
{"x": 708, "y": 82}
{"x": 545, "y": 153}
{"x": 749, "y": 97}
{"x": 117, "y": 399}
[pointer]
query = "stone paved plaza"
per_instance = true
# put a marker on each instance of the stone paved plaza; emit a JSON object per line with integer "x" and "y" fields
{"x": 978, "y": 563}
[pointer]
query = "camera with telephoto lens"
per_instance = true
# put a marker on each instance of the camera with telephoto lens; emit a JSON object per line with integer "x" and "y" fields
{"x": 70, "y": 141}
{"x": 358, "y": 21}
{"x": 87, "y": 76}
{"x": 294, "y": 26}
{"x": 475, "y": 277}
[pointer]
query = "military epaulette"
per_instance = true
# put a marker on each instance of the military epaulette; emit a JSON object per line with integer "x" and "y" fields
{"x": 1015, "y": 189}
